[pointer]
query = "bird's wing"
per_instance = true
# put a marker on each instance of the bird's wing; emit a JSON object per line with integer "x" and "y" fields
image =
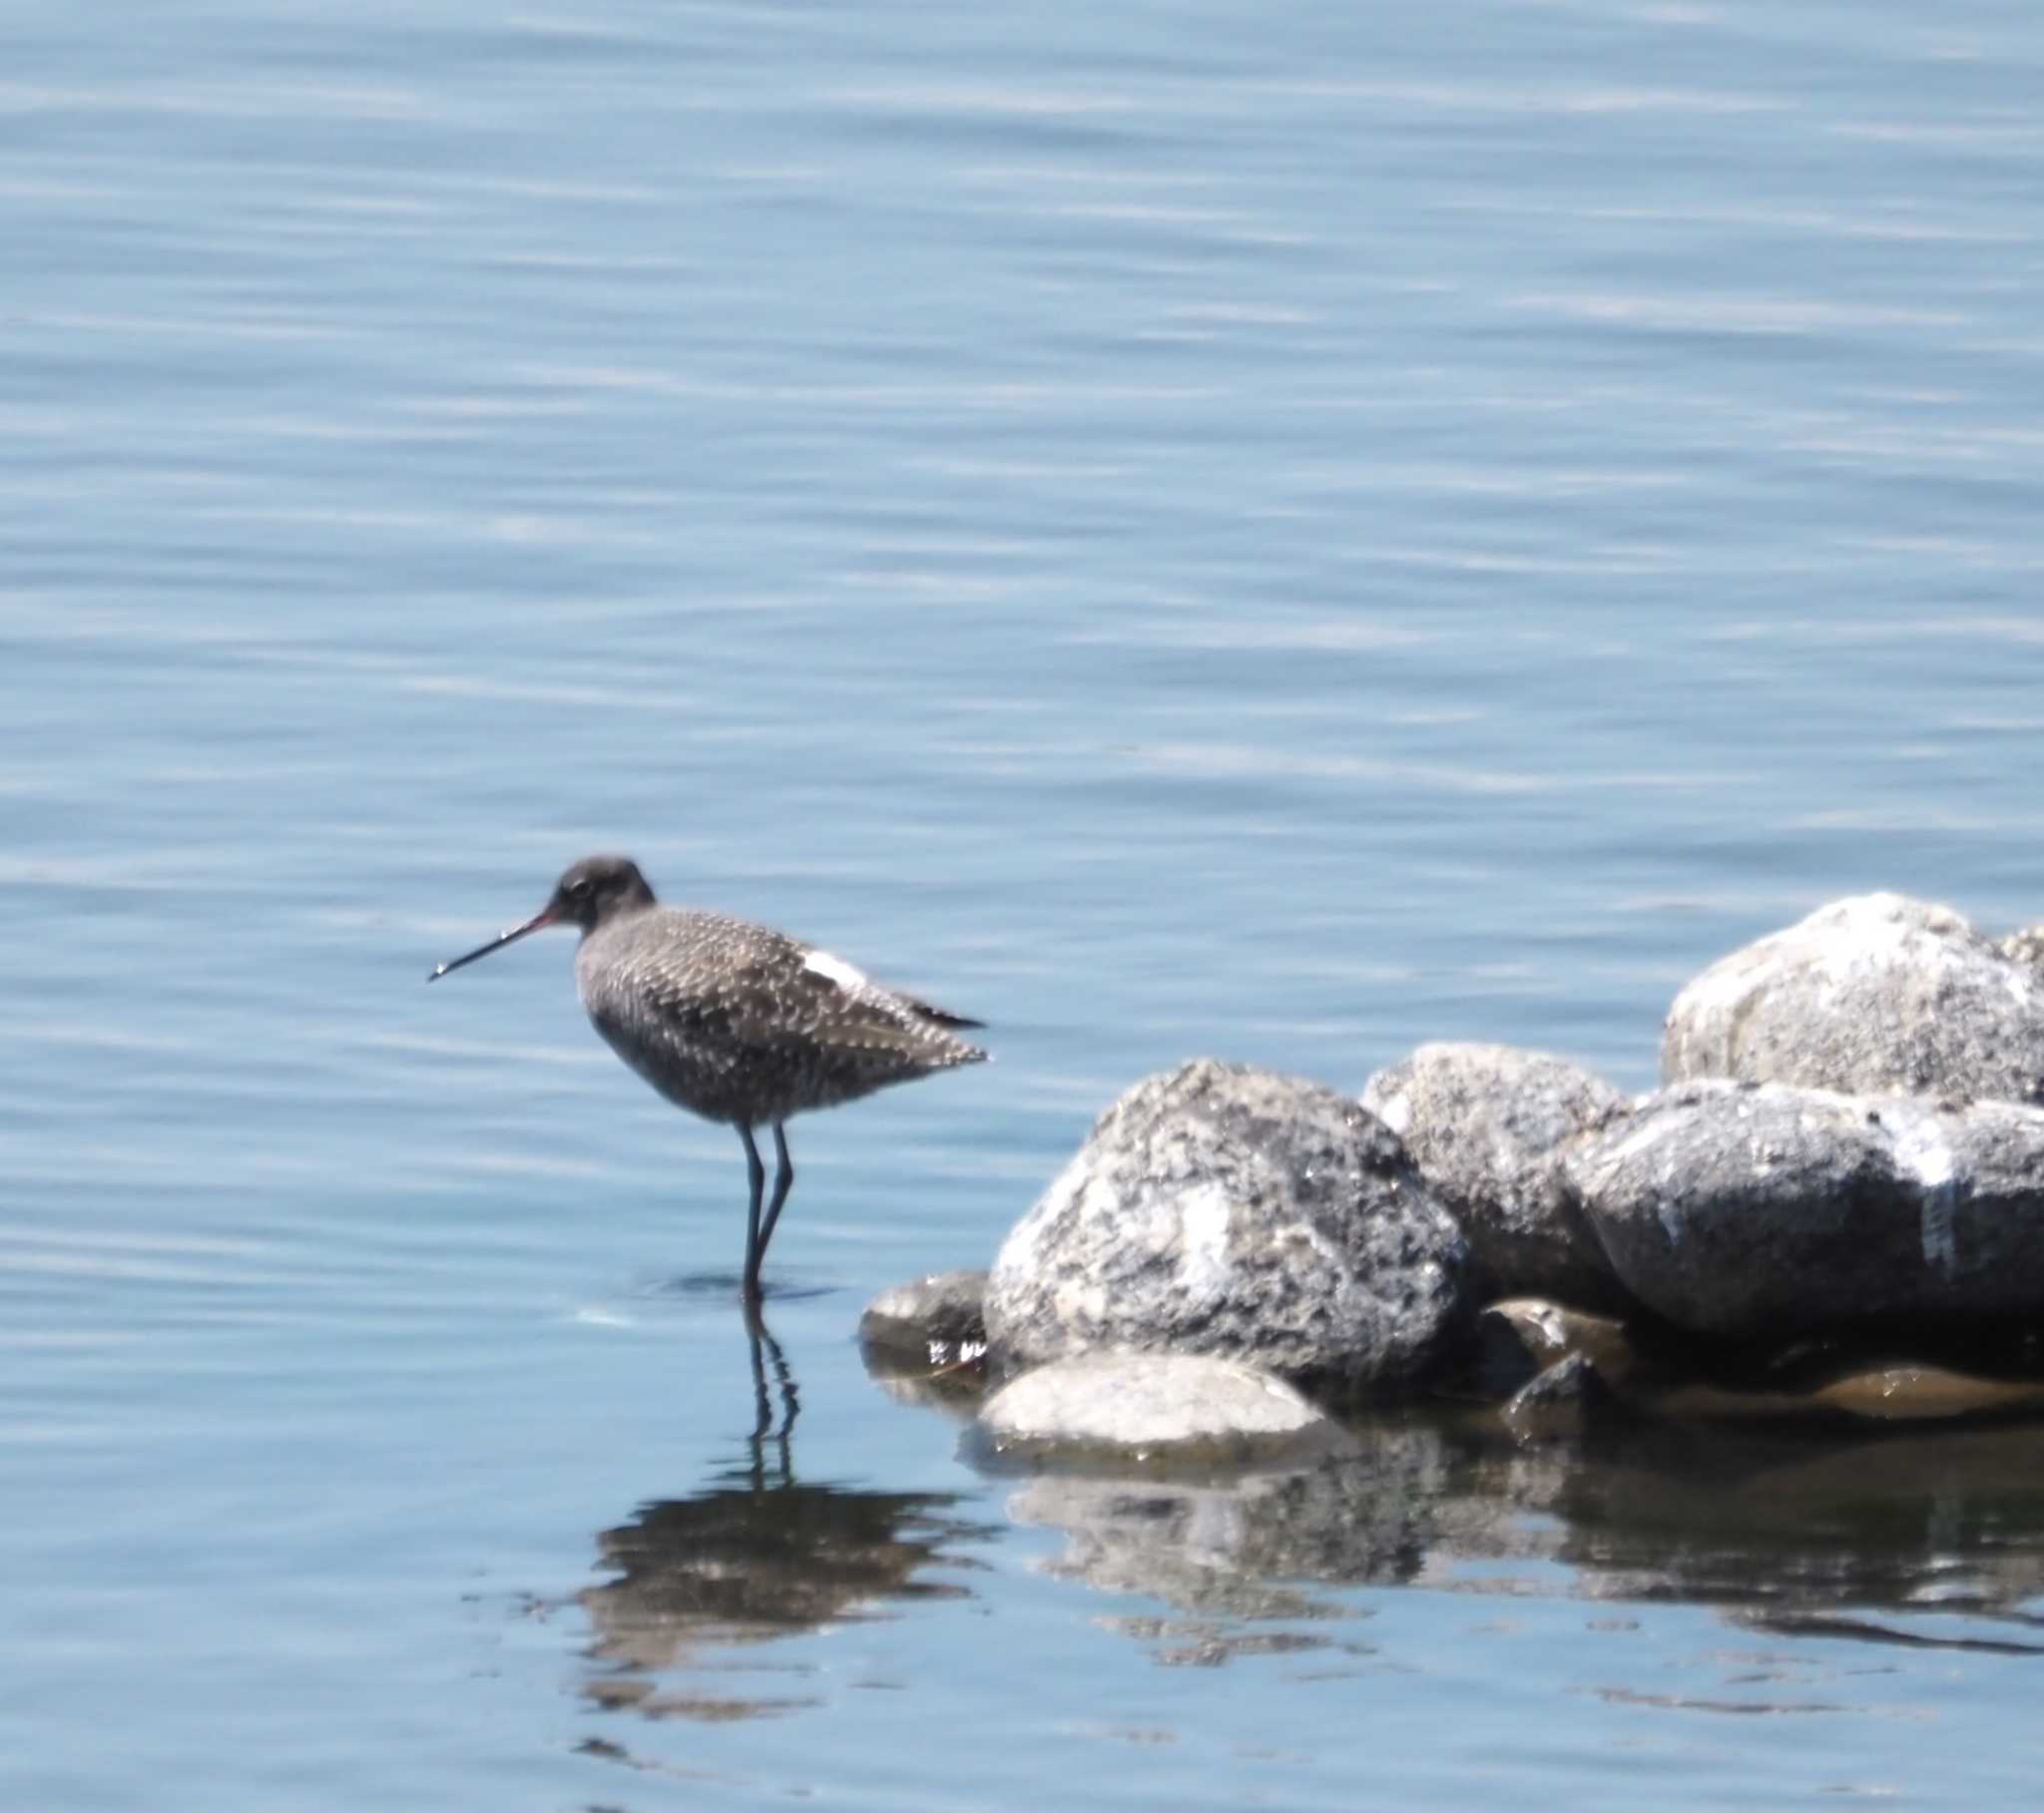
{"x": 822, "y": 1000}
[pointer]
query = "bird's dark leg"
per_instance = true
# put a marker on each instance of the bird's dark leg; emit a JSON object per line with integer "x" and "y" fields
{"x": 756, "y": 1248}
{"x": 783, "y": 1175}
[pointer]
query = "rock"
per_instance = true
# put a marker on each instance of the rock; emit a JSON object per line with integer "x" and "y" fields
{"x": 938, "y": 1319}
{"x": 1750, "y": 1212}
{"x": 1158, "y": 1409}
{"x": 1517, "y": 1338}
{"x": 1874, "y": 994}
{"x": 2025, "y": 947}
{"x": 1902, "y": 1392}
{"x": 1561, "y": 1401}
{"x": 1227, "y": 1211}
{"x": 1485, "y": 1123}
{"x": 1553, "y": 1332}
{"x": 1658, "y": 1377}
{"x": 1914, "y": 1393}
{"x": 924, "y": 1342}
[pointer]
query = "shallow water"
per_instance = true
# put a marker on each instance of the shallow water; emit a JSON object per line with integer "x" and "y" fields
{"x": 1175, "y": 531}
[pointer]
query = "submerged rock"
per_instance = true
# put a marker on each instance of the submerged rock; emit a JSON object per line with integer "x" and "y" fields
{"x": 1904, "y": 1391}
{"x": 1910, "y": 1392}
{"x": 1158, "y": 1409}
{"x": 1486, "y": 1124}
{"x": 1767, "y": 1211}
{"x": 1873, "y": 995}
{"x": 1227, "y": 1211}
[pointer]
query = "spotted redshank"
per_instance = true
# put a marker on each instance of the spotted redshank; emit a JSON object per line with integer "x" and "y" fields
{"x": 732, "y": 1021}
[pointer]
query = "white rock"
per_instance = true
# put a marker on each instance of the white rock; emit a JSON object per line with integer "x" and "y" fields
{"x": 1156, "y": 1408}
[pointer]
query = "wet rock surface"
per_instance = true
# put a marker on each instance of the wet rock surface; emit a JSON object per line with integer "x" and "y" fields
{"x": 1226, "y": 1210}
{"x": 1561, "y": 1401}
{"x": 1486, "y": 1124}
{"x": 1160, "y": 1410}
{"x": 1875, "y": 995}
{"x": 1750, "y": 1213}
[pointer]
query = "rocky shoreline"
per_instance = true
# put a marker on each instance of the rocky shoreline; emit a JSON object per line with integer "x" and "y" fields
{"x": 1834, "y": 1206}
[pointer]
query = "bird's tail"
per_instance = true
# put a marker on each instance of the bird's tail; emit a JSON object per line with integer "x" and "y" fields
{"x": 941, "y": 1015}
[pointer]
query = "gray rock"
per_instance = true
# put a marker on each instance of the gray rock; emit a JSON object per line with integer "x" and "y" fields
{"x": 1227, "y": 1211}
{"x": 1873, "y": 995}
{"x": 1767, "y": 1211}
{"x": 1485, "y": 1123}
{"x": 936, "y": 1320}
{"x": 1160, "y": 1409}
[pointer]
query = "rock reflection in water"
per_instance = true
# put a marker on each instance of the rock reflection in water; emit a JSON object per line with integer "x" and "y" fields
{"x": 754, "y": 1557}
{"x": 1918, "y": 1538}
{"x": 1921, "y": 1538}
{"x": 1247, "y": 1549}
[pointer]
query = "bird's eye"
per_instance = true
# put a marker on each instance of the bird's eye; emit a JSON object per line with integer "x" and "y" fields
{"x": 578, "y": 890}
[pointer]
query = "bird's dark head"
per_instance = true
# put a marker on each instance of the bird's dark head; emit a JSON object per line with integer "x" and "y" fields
{"x": 590, "y": 891}
{"x": 595, "y": 889}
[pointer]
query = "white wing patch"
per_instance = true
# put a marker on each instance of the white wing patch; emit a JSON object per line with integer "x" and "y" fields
{"x": 834, "y": 969}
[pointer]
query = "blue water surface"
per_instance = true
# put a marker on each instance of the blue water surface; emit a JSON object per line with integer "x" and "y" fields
{"x": 1177, "y": 529}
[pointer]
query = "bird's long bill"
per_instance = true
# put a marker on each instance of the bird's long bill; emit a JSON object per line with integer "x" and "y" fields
{"x": 544, "y": 917}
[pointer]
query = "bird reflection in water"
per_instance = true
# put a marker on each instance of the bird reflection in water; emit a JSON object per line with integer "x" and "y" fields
{"x": 756, "y": 1557}
{"x": 772, "y": 1416}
